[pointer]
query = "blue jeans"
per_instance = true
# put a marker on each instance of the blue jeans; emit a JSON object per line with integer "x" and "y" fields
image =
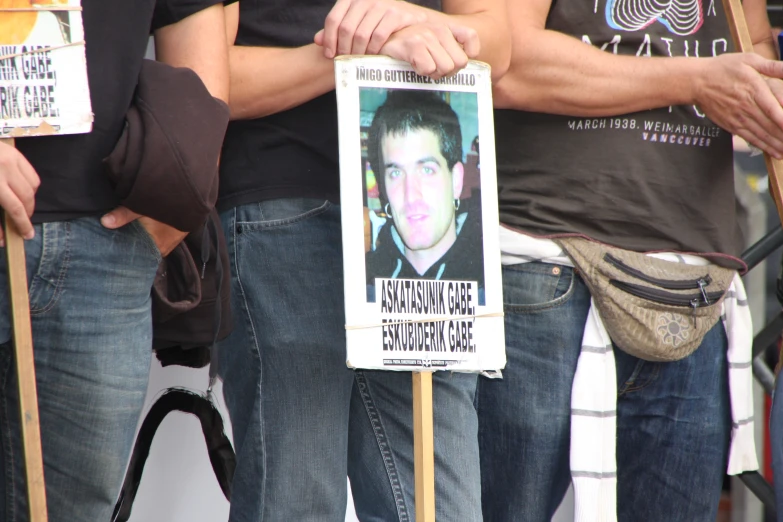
{"x": 289, "y": 393}
{"x": 673, "y": 423}
{"x": 776, "y": 442}
{"x": 92, "y": 334}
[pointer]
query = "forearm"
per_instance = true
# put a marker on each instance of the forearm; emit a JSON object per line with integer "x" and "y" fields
{"x": 766, "y": 48}
{"x": 558, "y": 74}
{"x": 267, "y": 80}
{"x": 759, "y": 28}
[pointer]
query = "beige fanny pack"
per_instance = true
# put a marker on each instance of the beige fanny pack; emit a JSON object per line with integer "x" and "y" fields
{"x": 652, "y": 309}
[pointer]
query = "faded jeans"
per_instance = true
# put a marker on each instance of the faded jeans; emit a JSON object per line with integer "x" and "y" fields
{"x": 776, "y": 442}
{"x": 301, "y": 419}
{"x": 673, "y": 421}
{"x": 92, "y": 335}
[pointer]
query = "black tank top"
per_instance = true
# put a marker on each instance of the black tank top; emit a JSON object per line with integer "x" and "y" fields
{"x": 654, "y": 180}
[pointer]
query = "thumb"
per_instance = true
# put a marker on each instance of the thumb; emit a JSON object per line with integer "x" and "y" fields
{"x": 319, "y": 38}
{"x": 119, "y": 217}
{"x": 468, "y": 38}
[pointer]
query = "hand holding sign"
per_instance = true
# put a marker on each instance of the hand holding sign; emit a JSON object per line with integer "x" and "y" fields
{"x": 364, "y": 26}
{"x": 741, "y": 36}
{"x": 18, "y": 183}
{"x": 435, "y": 45}
{"x": 430, "y": 48}
{"x": 742, "y": 93}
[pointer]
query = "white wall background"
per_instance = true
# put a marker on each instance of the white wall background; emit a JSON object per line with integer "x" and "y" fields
{"x": 178, "y": 484}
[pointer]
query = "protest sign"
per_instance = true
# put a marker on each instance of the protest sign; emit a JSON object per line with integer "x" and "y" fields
{"x": 419, "y": 218}
{"x": 43, "y": 72}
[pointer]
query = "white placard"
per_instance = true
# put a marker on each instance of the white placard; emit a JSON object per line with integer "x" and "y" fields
{"x": 420, "y": 237}
{"x": 43, "y": 70}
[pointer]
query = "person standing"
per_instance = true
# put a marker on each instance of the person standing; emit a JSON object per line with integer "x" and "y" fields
{"x": 286, "y": 384}
{"x": 91, "y": 264}
{"x": 614, "y": 124}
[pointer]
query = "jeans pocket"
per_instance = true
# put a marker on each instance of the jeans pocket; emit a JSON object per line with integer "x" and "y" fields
{"x": 634, "y": 374}
{"x": 279, "y": 212}
{"x": 148, "y": 240}
{"x": 51, "y": 259}
{"x": 535, "y": 286}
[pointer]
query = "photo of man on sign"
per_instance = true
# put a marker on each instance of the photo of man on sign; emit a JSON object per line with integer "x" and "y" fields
{"x": 18, "y": 27}
{"x": 424, "y": 226}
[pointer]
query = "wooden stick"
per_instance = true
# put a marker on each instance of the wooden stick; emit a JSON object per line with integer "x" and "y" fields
{"x": 741, "y": 36}
{"x": 25, "y": 370}
{"x": 423, "y": 447}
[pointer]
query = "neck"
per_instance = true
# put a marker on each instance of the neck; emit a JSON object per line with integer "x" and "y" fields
{"x": 422, "y": 260}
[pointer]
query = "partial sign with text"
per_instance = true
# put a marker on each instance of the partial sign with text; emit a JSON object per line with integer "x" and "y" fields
{"x": 419, "y": 218}
{"x": 43, "y": 71}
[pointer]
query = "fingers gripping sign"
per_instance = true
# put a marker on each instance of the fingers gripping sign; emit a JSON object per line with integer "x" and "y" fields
{"x": 430, "y": 48}
{"x": 743, "y": 93}
{"x": 435, "y": 45}
{"x": 467, "y": 38}
{"x": 771, "y": 71}
{"x": 364, "y": 26}
{"x": 18, "y": 184}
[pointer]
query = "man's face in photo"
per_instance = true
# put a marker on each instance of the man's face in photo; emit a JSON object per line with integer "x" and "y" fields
{"x": 421, "y": 190}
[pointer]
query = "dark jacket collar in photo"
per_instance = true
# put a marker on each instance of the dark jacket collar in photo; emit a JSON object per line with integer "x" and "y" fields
{"x": 462, "y": 262}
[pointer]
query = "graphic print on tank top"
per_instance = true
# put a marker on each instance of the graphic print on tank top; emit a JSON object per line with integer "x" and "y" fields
{"x": 681, "y": 17}
{"x": 663, "y": 28}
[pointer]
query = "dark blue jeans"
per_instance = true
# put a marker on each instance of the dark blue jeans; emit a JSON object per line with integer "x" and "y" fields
{"x": 673, "y": 422}
{"x": 301, "y": 419}
{"x": 776, "y": 442}
{"x": 92, "y": 336}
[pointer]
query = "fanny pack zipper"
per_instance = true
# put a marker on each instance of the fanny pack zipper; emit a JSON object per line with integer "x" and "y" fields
{"x": 693, "y": 301}
{"x": 660, "y": 296}
{"x": 670, "y": 284}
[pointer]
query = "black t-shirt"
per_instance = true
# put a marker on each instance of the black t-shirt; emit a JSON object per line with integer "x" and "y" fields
{"x": 464, "y": 261}
{"x": 116, "y": 32}
{"x": 654, "y": 180}
{"x": 291, "y": 153}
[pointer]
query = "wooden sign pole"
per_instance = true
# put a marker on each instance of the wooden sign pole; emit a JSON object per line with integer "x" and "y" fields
{"x": 423, "y": 447}
{"x": 741, "y": 36}
{"x": 25, "y": 369}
